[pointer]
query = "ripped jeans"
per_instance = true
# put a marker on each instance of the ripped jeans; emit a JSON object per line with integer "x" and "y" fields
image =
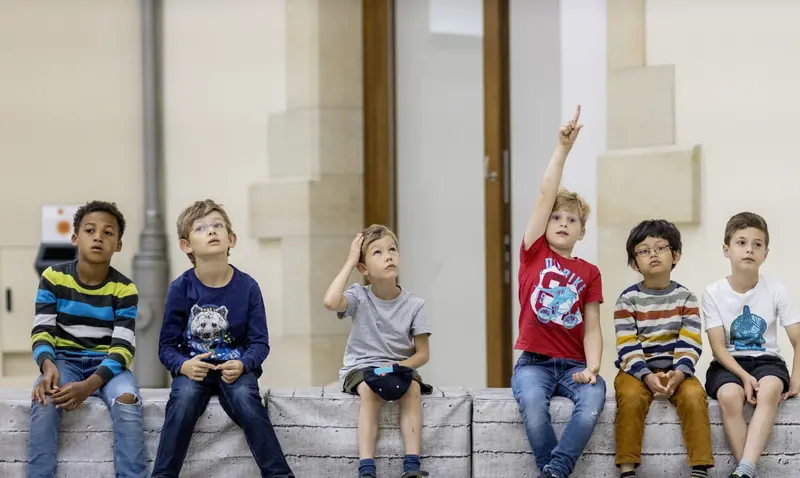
{"x": 538, "y": 378}
{"x": 129, "y": 455}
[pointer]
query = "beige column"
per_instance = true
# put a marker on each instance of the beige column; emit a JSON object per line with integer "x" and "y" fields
{"x": 644, "y": 174}
{"x": 313, "y": 202}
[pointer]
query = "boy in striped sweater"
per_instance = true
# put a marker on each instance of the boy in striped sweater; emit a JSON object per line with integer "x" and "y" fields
{"x": 83, "y": 342}
{"x": 657, "y": 326}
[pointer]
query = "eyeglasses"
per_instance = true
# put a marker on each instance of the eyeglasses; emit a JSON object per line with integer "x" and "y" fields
{"x": 645, "y": 251}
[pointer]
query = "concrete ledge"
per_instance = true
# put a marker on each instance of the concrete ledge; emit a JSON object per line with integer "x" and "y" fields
{"x": 500, "y": 448}
{"x": 317, "y": 429}
{"x": 218, "y": 447}
{"x": 625, "y": 198}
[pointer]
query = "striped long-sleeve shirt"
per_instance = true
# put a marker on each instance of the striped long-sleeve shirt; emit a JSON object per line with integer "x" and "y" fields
{"x": 657, "y": 329}
{"x": 74, "y": 319}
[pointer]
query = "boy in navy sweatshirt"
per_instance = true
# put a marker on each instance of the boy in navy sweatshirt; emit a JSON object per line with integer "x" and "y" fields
{"x": 213, "y": 341}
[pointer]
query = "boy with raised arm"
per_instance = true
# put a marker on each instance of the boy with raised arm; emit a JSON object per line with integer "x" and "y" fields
{"x": 559, "y": 321}
{"x": 213, "y": 341}
{"x": 388, "y": 342}
{"x": 83, "y": 341}
{"x": 657, "y": 325}
{"x": 741, "y": 314}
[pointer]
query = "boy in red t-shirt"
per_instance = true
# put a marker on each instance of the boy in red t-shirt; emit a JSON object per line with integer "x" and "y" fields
{"x": 559, "y": 321}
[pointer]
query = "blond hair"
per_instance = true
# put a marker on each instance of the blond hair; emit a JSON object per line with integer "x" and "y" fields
{"x": 199, "y": 210}
{"x": 373, "y": 233}
{"x": 572, "y": 202}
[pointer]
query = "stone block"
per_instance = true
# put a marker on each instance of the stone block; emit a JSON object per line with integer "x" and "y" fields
{"x": 85, "y": 442}
{"x": 500, "y": 447}
{"x": 317, "y": 429}
{"x": 625, "y": 33}
{"x": 645, "y": 183}
{"x": 309, "y": 142}
{"x": 641, "y": 106}
{"x": 332, "y": 205}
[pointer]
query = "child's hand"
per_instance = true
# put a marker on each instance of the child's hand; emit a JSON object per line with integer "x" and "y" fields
{"x": 355, "y": 250}
{"x": 794, "y": 389}
{"x": 72, "y": 395}
{"x": 585, "y": 376}
{"x": 655, "y": 382}
{"x": 674, "y": 379}
{"x": 569, "y": 132}
{"x": 750, "y": 389}
{"x": 195, "y": 368}
{"x": 231, "y": 370}
{"x": 48, "y": 384}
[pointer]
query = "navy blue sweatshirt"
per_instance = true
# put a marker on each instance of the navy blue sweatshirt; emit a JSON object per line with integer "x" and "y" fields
{"x": 228, "y": 321}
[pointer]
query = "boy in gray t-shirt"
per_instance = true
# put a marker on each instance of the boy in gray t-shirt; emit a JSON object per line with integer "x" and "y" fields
{"x": 390, "y": 327}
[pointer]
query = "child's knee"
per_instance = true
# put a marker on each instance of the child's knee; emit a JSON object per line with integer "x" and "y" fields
{"x": 127, "y": 399}
{"x": 770, "y": 390}
{"x": 368, "y": 397}
{"x": 731, "y": 397}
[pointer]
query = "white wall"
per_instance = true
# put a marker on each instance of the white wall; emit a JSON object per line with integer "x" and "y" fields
{"x": 558, "y": 60}
{"x": 440, "y": 181}
{"x": 736, "y": 95}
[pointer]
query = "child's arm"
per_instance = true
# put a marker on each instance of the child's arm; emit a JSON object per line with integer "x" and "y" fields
{"x": 422, "y": 353}
{"x": 793, "y": 331}
{"x": 716, "y": 338}
{"x": 172, "y": 328}
{"x": 551, "y": 180}
{"x": 256, "y": 348}
{"x": 690, "y": 344}
{"x": 335, "y": 298}
{"x": 629, "y": 349}
{"x": 44, "y": 325}
{"x": 592, "y": 343}
{"x": 120, "y": 353}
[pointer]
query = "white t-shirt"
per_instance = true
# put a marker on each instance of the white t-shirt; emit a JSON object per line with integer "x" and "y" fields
{"x": 750, "y": 319}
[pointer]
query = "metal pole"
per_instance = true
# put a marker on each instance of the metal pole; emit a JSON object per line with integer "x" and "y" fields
{"x": 150, "y": 266}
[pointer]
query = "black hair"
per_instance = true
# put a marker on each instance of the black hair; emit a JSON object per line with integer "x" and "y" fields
{"x": 99, "y": 206}
{"x": 659, "y": 228}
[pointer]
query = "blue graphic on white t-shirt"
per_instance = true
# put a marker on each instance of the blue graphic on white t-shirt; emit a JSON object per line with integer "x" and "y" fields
{"x": 747, "y": 331}
{"x": 207, "y": 331}
{"x": 555, "y": 298}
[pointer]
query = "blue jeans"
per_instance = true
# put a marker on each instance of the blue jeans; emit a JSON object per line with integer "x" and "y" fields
{"x": 536, "y": 380}
{"x": 129, "y": 456}
{"x": 242, "y": 402}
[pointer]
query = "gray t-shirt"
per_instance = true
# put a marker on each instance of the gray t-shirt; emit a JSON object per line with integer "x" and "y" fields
{"x": 383, "y": 330}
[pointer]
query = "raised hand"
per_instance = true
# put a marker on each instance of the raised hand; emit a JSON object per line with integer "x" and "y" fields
{"x": 355, "y": 250}
{"x": 569, "y": 131}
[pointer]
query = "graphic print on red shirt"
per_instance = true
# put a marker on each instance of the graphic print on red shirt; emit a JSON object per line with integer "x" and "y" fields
{"x": 553, "y": 291}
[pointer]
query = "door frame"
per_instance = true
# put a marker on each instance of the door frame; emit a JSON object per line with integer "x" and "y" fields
{"x": 380, "y": 160}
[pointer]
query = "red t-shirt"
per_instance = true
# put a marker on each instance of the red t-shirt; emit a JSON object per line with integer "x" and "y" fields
{"x": 553, "y": 292}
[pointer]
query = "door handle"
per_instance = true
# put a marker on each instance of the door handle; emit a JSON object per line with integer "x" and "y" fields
{"x": 8, "y": 299}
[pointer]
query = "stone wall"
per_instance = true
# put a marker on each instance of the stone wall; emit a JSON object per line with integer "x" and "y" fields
{"x": 466, "y": 433}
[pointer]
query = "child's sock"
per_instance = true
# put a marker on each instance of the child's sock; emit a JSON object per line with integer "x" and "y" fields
{"x": 628, "y": 474}
{"x": 699, "y": 472}
{"x": 746, "y": 468}
{"x": 411, "y": 463}
{"x": 367, "y": 466}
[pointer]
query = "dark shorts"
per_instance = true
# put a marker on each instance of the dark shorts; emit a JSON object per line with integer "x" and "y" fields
{"x": 355, "y": 377}
{"x": 758, "y": 367}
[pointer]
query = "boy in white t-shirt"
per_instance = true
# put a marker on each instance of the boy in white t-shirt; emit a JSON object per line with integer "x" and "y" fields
{"x": 741, "y": 314}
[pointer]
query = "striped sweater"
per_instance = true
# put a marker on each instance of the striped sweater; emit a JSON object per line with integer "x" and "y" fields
{"x": 657, "y": 329}
{"x": 74, "y": 319}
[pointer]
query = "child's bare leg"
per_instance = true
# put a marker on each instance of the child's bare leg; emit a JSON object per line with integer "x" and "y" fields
{"x": 411, "y": 419}
{"x": 731, "y": 401}
{"x": 760, "y": 429}
{"x": 368, "y": 415}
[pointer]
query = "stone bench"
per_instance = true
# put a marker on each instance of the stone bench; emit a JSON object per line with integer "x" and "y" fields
{"x": 317, "y": 428}
{"x": 500, "y": 447}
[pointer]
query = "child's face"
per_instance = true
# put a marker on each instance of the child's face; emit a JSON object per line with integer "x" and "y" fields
{"x": 564, "y": 229}
{"x": 381, "y": 260}
{"x": 208, "y": 237}
{"x": 97, "y": 239}
{"x": 654, "y": 256}
{"x": 747, "y": 249}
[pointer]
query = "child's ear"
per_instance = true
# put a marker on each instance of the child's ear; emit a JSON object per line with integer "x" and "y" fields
{"x": 119, "y": 246}
{"x": 676, "y": 257}
{"x": 583, "y": 231}
{"x": 725, "y": 251}
{"x": 74, "y": 239}
{"x": 361, "y": 268}
{"x": 185, "y": 247}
